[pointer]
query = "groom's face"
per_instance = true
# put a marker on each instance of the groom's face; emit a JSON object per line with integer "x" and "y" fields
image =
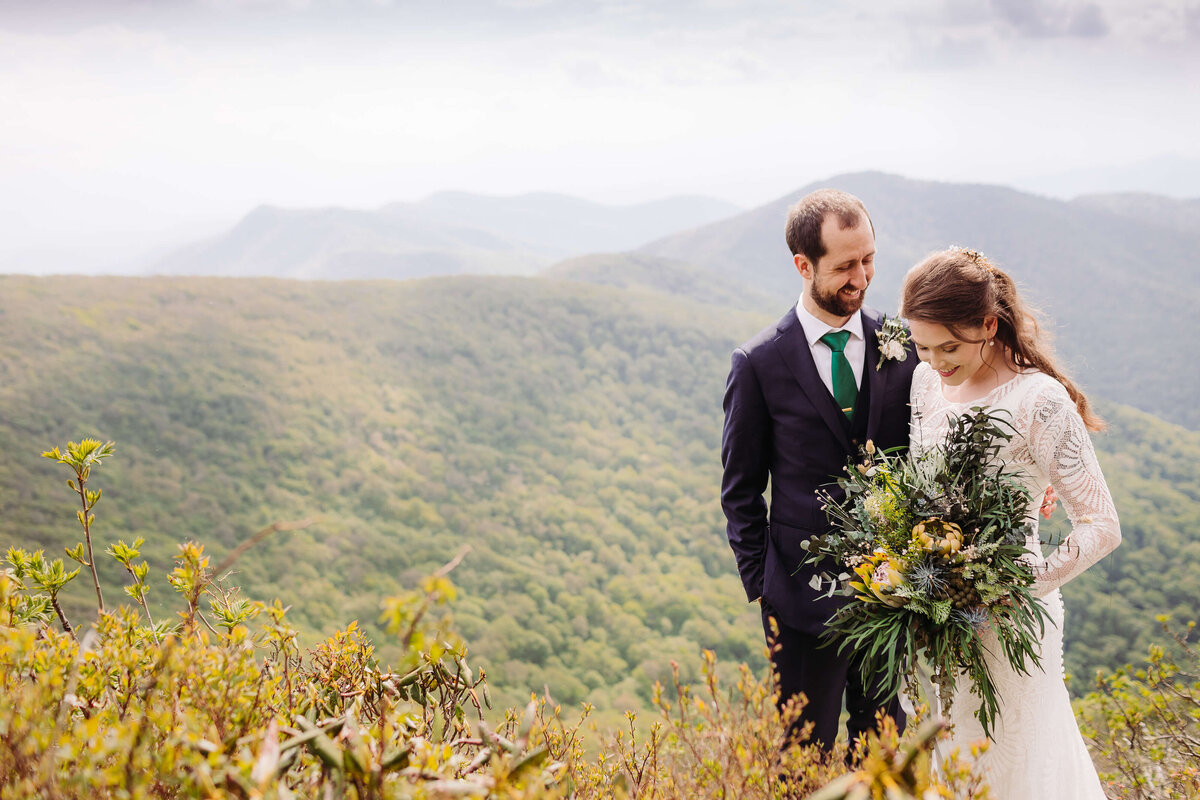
{"x": 840, "y": 278}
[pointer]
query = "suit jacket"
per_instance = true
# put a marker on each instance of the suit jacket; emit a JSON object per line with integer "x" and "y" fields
{"x": 782, "y": 424}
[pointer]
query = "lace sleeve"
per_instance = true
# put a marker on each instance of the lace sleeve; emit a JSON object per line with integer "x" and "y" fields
{"x": 1060, "y": 446}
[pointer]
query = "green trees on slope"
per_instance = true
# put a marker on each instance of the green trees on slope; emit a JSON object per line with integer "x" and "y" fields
{"x": 565, "y": 433}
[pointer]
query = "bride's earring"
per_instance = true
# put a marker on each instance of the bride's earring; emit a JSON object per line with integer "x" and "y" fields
{"x": 991, "y": 342}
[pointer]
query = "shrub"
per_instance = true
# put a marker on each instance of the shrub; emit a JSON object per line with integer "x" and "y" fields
{"x": 1144, "y": 723}
{"x": 218, "y": 701}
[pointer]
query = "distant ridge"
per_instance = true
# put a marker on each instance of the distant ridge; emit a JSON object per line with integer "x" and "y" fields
{"x": 447, "y": 233}
{"x": 1152, "y": 209}
{"x": 1172, "y": 175}
{"x": 569, "y": 225}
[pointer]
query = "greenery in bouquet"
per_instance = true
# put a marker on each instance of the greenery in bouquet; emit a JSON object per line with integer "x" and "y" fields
{"x": 931, "y": 549}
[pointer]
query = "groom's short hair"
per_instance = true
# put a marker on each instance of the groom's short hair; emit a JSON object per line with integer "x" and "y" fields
{"x": 804, "y": 220}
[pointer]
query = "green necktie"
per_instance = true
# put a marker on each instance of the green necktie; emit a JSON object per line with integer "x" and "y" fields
{"x": 845, "y": 389}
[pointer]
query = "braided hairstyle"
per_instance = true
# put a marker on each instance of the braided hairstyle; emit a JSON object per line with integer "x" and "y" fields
{"x": 958, "y": 288}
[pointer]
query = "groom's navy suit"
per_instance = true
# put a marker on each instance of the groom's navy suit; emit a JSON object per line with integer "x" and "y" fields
{"x": 782, "y": 423}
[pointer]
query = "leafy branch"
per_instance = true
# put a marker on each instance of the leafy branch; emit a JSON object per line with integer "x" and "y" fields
{"x": 81, "y": 458}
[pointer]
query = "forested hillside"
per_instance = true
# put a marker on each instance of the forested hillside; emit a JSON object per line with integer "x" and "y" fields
{"x": 678, "y": 278}
{"x": 568, "y": 433}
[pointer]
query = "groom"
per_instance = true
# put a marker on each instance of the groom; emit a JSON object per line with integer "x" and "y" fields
{"x": 802, "y": 396}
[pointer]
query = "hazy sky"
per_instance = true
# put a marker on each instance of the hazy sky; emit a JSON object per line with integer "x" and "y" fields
{"x": 128, "y": 124}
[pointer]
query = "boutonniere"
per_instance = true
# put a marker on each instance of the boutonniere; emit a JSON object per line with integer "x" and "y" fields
{"x": 893, "y": 341}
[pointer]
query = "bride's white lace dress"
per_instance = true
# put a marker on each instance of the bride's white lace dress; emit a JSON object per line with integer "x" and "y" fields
{"x": 1037, "y": 751}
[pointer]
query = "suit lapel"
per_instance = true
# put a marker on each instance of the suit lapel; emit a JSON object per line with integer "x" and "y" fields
{"x": 872, "y": 322}
{"x": 793, "y": 347}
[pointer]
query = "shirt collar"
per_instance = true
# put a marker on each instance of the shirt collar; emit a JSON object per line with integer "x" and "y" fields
{"x": 814, "y": 328}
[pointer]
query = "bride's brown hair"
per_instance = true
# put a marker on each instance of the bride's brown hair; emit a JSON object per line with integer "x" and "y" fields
{"x": 958, "y": 288}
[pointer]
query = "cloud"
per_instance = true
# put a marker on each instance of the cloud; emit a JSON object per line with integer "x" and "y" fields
{"x": 521, "y": 5}
{"x": 592, "y": 74}
{"x": 1191, "y": 16}
{"x": 108, "y": 53}
{"x": 1039, "y": 19}
{"x": 950, "y": 52}
{"x": 1087, "y": 22}
{"x": 1156, "y": 27}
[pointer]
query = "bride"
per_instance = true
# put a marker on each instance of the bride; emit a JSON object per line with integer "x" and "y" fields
{"x": 982, "y": 347}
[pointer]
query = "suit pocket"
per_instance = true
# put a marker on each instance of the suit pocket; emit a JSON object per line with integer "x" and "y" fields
{"x": 787, "y": 543}
{"x": 788, "y": 583}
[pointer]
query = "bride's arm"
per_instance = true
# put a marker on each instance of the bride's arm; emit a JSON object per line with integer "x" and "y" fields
{"x": 1060, "y": 445}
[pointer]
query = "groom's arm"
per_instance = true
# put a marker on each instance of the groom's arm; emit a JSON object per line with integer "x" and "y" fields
{"x": 745, "y": 454}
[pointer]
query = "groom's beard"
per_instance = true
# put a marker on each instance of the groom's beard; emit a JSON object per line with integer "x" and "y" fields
{"x": 835, "y": 303}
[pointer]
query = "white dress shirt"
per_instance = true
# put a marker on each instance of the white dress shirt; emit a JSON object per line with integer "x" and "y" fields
{"x": 856, "y": 345}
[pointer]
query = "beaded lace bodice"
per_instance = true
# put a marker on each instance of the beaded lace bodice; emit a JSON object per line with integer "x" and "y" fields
{"x": 1051, "y": 447}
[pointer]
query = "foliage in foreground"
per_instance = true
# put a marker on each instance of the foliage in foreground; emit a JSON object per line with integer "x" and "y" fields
{"x": 1144, "y": 723}
{"x": 198, "y": 715}
{"x": 219, "y": 702}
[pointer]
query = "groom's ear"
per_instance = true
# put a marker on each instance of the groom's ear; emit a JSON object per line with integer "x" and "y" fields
{"x": 804, "y": 266}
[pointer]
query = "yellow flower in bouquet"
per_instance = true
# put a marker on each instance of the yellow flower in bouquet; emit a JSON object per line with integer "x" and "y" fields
{"x": 879, "y": 576}
{"x": 938, "y": 536}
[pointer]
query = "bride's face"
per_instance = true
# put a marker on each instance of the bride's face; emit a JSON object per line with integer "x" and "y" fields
{"x": 956, "y": 360}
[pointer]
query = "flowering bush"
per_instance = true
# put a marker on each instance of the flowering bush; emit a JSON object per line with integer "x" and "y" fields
{"x": 219, "y": 701}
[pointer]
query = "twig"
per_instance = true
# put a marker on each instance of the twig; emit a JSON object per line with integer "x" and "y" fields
{"x": 237, "y": 553}
{"x": 62, "y": 617}
{"x": 86, "y": 521}
{"x": 447, "y": 568}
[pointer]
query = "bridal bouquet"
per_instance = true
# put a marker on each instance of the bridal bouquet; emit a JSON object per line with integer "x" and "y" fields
{"x": 936, "y": 545}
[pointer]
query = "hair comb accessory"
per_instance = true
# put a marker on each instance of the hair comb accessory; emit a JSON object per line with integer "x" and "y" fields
{"x": 977, "y": 257}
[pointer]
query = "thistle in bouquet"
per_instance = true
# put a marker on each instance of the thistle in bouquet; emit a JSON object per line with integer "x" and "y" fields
{"x": 931, "y": 551}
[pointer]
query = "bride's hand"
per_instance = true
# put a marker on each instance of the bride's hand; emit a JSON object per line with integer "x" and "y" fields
{"x": 1049, "y": 503}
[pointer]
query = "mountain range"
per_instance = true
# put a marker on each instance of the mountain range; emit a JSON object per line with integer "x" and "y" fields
{"x": 1101, "y": 267}
{"x": 1114, "y": 275}
{"x": 446, "y": 233}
